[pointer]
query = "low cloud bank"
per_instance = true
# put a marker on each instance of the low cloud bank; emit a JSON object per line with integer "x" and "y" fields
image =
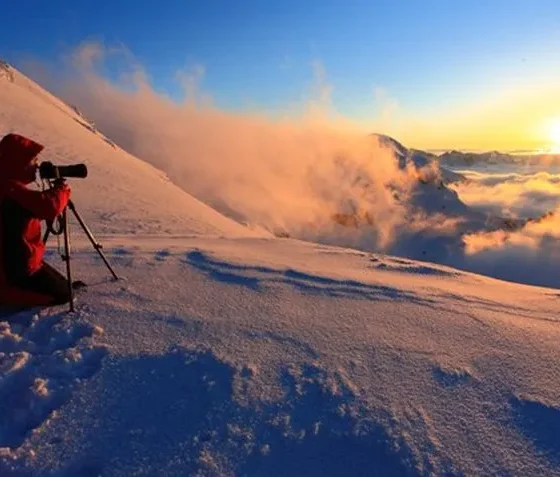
{"x": 511, "y": 194}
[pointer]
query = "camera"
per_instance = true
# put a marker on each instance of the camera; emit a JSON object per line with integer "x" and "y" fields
{"x": 47, "y": 170}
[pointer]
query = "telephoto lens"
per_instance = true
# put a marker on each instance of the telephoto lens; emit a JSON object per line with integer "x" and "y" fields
{"x": 47, "y": 170}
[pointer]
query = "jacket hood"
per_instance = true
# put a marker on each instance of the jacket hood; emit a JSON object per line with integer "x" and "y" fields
{"x": 16, "y": 152}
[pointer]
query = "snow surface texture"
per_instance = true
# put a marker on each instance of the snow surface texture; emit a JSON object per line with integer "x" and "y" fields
{"x": 225, "y": 354}
{"x": 42, "y": 358}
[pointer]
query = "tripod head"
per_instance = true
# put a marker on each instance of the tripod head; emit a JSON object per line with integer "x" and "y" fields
{"x": 61, "y": 225}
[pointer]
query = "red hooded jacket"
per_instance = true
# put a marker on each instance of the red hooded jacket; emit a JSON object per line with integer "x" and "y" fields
{"x": 21, "y": 212}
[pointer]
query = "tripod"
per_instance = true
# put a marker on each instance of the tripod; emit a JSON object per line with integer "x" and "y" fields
{"x": 66, "y": 256}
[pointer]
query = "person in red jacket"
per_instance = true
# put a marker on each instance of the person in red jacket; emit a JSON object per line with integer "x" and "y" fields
{"x": 25, "y": 279}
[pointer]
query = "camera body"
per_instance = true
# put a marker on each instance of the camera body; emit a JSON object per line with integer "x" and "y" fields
{"x": 47, "y": 170}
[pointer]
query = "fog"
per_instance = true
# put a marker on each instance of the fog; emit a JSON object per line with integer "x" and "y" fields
{"x": 290, "y": 174}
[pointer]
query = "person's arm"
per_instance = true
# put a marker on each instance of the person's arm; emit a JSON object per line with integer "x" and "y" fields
{"x": 45, "y": 205}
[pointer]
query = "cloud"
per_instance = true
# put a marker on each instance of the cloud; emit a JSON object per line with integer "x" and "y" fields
{"x": 511, "y": 194}
{"x": 190, "y": 80}
{"x": 290, "y": 175}
{"x": 319, "y": 105}
{"x": 530, "y": 255}
{"x": 88, "y": 55}
{"x": 386, "y": 107}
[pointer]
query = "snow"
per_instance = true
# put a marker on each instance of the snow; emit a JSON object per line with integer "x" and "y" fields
{"x": 227, "y": 351}
{"x": 122, "y": 194}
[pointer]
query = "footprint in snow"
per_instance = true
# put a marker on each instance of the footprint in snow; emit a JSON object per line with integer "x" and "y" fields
{"x": 407, "y": 266}
{"x": 161, "y": 255}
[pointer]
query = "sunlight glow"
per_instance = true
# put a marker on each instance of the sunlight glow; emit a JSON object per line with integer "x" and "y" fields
{"x": 554, "y": 133}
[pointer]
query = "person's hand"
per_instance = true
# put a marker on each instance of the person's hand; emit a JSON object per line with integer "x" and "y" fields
{"x": 60, "y": 185}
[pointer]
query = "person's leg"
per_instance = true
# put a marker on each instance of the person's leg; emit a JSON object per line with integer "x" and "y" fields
{"x": 48, "y": 281}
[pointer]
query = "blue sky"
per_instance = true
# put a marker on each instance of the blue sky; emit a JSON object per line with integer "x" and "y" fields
{"x": 428, "y": 55}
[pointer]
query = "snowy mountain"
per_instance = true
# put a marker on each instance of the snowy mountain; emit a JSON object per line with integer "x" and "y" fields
{"x": 223, "y": 351}
{"x": 122, "y": 194}
{"x": 434, "y": 219}
{"x": 462, "y": 159}
{"x": 419, "y": 159}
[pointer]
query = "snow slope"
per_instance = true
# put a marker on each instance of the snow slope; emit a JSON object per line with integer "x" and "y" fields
{"x": 122, "y": 194}
{"x": 223, "y": 354}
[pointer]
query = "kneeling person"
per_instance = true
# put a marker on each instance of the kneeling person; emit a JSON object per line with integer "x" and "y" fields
{"x": 25, "y": 279}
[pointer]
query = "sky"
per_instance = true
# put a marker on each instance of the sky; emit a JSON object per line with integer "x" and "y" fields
{"x": 435, "y": 74}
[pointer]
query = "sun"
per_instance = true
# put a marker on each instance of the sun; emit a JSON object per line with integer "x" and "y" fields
{"x": 554, "y": 133}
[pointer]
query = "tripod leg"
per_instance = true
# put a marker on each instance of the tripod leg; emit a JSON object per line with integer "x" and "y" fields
{"x": 95, "y": 244}
{"x": 67, "y": 258}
